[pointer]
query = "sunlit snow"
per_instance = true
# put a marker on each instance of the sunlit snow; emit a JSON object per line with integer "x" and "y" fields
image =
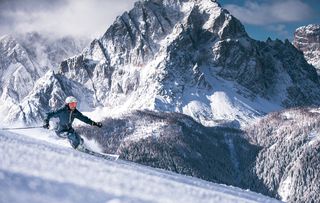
{"x": 36, "y": 168}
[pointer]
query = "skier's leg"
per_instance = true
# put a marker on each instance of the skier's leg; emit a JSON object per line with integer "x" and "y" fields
{"x": 74, "y": 139}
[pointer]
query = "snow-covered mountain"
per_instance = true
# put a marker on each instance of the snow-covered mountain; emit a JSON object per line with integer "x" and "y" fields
{"x": 39, "y": 171}
{"x": 192, "y": 57}
{"x": 307, "y": 39}
{"x": 25, "y": 58}
{"x": 288, "y": 164}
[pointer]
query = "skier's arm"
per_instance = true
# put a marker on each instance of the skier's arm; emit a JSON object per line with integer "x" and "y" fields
{"x": 83, "y": 118}
{"x": 87, "y": 120}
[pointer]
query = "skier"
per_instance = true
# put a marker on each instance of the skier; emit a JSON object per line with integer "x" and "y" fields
{"x": 66, "y": 114}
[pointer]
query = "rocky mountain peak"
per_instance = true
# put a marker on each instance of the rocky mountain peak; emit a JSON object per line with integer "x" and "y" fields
{"x": 311, "y": 31}
{"x": 12, "y": 51}
{"x": 7, "y": 40}
{"x": 138, "y": 35}
{"x": 307, "y": 39}
{"x": 138, "y": 54}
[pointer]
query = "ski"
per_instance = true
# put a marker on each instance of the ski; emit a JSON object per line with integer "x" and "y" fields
{"x": 111, "y": 157}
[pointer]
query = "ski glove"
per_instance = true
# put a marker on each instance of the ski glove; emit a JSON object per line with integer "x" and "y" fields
{"x": 46, "y": 126}
{"x": 98, "y": 124}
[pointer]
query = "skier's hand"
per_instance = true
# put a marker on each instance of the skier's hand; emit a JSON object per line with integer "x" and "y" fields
{"x": 46, "y": 126}
{"x": 98, "y": 124}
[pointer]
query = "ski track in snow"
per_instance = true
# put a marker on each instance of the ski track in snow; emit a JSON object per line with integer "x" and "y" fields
{"x": 33, "y": 170}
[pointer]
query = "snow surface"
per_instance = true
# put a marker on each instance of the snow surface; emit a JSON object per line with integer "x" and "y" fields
{"x": 37, "y": 167}
{"x": 224, "y": 102}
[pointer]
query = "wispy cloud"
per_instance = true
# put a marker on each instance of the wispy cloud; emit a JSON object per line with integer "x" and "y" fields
{"x": 271, "y": 12}
{"x": 89, "y": 18}
{"x": 280, "y": 29}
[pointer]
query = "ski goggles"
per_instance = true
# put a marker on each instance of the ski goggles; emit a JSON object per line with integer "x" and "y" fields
{"x": 73, "y": 104}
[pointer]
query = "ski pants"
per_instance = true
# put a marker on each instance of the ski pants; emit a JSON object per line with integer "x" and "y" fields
{"x": 73, "y": 137}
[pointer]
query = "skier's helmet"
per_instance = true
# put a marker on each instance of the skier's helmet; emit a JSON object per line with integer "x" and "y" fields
{"x": 71, "y": 99}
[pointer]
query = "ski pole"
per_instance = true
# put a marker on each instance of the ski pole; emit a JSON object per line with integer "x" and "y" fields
{"x": 21, "y": 128}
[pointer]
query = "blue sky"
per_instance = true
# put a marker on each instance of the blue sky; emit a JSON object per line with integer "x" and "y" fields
{"x": 273, "y": 18}
{"x": 91, "y": 18}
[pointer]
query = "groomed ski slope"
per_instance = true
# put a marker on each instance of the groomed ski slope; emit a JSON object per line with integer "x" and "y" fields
{"x": 33, "y": 170}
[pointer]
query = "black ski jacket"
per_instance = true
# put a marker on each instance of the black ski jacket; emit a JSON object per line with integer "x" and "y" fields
{"x": 66, "y": 117}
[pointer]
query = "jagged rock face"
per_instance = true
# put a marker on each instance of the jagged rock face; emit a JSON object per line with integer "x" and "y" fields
{"x": 177, "y": 143}
{"x": 307, "y": 39}
{"x": 288, "y": 164}
{"x": 136, "y": 56}
{"x": 17, "y": 72}
{"x": 176, "y": 55}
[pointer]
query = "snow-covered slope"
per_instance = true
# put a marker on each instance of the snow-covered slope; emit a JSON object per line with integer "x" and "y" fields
{"x": 32, "y": 170}
{"x": 288, "y": 164}
{"x": 191, "y": 57}
{"x": 307, "y": 39}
